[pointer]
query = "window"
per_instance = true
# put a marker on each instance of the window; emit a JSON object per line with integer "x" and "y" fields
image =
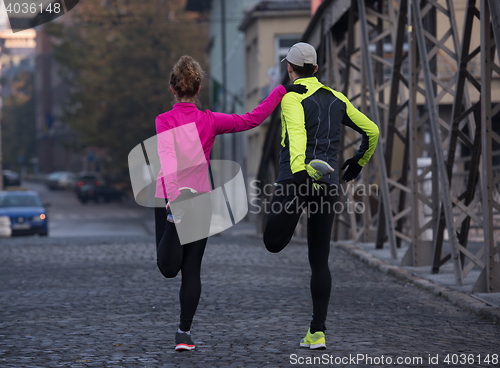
{"x": 282, "y": 45}
{"x": 20, "y": 201}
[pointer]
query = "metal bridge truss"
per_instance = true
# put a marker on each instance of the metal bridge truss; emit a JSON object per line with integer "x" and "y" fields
{"x": 438, "y": 185}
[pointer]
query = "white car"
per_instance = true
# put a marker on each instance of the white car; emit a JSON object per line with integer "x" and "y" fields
{"x": 65, "y": 180}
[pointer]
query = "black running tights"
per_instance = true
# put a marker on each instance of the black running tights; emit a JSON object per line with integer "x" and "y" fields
{"x": 173, "y": 257}
{"x": 280, "y": 227}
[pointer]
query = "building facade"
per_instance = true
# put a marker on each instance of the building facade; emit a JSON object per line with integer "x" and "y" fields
{"x": 227, "y": 72}
{"x": 270, "y": 29}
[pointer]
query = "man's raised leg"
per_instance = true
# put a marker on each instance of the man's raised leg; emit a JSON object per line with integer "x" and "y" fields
{"x": 285, "y": 211}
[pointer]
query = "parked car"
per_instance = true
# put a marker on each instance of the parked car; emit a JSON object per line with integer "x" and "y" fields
{"x": 27, "y": 213}
{"x": 99, "y": 193}
{"x": 65, "y": 180}
{"x": 88, "y": 178}
{"x": 10, "y": 178}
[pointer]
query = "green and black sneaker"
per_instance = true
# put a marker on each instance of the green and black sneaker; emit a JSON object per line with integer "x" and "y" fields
{"x": 318, "y": 168}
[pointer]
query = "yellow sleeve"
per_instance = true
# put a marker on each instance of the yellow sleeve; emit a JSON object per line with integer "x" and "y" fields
{"x": 363, "y": 125}
{"x": 293, "y": 120}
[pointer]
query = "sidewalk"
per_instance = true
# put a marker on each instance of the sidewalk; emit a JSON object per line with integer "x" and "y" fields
{"x": 443, "y": 284}
{"x": 90, "y": 302}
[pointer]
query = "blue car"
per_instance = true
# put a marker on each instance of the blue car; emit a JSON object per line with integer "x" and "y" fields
{"x": 27, "y": 213}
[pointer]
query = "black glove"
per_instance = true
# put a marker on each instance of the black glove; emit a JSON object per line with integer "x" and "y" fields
{"x": 301, "y": 179}
{"x": 352, "y": 171}
{"x": 297, "y": 88}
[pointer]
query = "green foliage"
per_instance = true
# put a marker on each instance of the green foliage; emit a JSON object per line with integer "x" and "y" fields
{"x": 116, "y": 58}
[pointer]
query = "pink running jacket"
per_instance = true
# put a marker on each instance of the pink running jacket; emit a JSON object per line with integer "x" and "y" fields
{"x": 186, "y": 136}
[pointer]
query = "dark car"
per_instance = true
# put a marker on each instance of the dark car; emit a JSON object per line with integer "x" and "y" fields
{"x": 27, "y": 213}
{"x": 11, "y": 178}
{"x": 88, "y": 178}
{"x": 65, "y": 180}
{"x": 99, "y": 193}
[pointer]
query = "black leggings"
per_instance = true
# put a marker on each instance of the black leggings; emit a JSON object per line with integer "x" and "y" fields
{"x": 172, "y": 257}
{"x": 280, "y": 226}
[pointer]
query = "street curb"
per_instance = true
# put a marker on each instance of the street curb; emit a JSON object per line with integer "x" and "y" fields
{"x": 458, "y": 298}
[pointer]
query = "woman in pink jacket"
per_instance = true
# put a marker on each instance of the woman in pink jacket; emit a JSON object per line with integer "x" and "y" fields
{"x": 185, "y": 137}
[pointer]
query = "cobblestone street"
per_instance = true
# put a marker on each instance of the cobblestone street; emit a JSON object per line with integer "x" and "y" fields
{"x": 89, "y": 302}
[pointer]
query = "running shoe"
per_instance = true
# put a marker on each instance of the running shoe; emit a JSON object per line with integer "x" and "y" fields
{"x": 314, "y": 341}
{"x": 318, "y": 168}
{"x": 183, "y": 341}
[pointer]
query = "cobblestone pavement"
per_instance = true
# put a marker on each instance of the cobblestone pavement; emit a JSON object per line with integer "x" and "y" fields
{"x": 88, "y": 302}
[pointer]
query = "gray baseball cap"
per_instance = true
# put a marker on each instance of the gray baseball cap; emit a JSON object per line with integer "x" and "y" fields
{"x": 301, "y": 53}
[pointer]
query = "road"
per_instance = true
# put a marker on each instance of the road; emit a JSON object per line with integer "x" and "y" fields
{"x": 70, "y": 218}
{"x": 90, "y": 295}
{"x": 89, "y": 302}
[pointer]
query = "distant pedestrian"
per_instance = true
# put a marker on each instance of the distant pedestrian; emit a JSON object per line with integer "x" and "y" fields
{"x": 185, "y": 139}
{"x": 308, "y": 178}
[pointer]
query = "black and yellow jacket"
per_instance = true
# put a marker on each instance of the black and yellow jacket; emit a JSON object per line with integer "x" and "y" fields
{"x": 311, "y": 125}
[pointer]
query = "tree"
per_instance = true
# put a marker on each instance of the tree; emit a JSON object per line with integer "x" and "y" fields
{"x": 115, "y": 57}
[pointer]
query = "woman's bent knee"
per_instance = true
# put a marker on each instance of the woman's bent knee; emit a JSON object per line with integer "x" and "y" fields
{"x": 273, "y": 245}
{"x": 168, "y": 272}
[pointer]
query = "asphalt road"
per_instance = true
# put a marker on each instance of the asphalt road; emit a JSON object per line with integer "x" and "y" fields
{"x": 70, "y": 218}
